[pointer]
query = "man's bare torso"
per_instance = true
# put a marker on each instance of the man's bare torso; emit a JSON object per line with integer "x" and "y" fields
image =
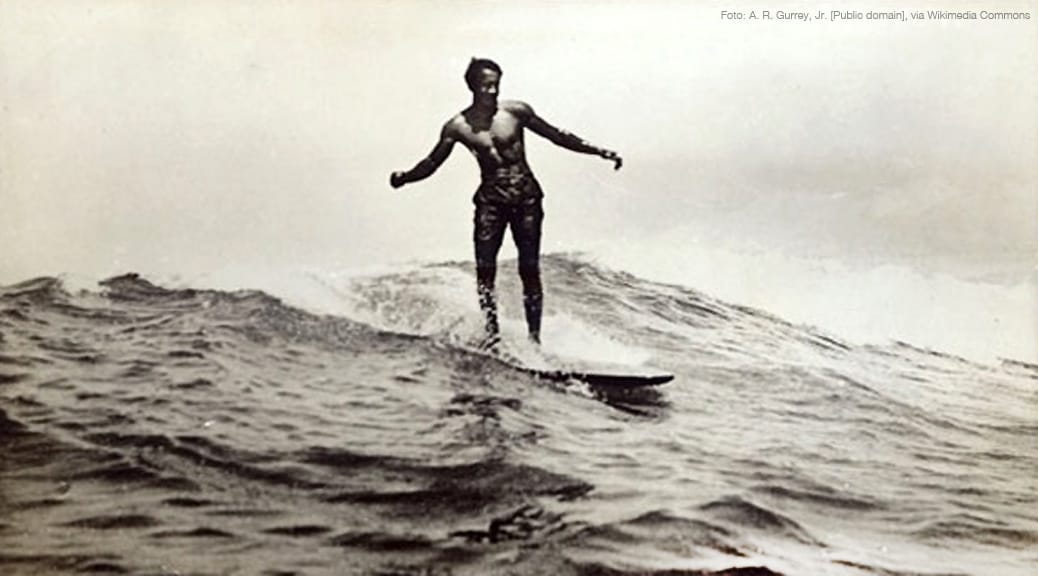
{"x": 494, "y": 138}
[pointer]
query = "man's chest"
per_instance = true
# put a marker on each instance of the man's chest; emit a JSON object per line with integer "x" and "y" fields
{"x": 503, "y": 130}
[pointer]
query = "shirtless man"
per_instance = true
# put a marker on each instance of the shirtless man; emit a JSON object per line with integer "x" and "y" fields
{"x": 508, "y": 194}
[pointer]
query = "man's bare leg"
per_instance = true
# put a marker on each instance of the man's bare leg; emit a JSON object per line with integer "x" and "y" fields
{"x": 488, "y": 304}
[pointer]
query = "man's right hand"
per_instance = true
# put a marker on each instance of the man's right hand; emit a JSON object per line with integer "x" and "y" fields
{"x": 396, "y": 179}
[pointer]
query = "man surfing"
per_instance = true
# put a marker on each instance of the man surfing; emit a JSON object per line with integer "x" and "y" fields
{"x": 508, "y": 195}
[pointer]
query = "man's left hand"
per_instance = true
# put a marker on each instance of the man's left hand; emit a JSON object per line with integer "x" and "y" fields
{"x": 610, "y": 155}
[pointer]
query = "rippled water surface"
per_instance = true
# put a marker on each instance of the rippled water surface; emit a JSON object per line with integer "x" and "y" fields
{"x": 150, "y": 430}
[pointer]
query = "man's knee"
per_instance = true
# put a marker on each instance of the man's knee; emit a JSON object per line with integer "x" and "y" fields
{"x": 529, "y": 268}
{"x": 530, "y": 274}
{"x": 485, "y": 272}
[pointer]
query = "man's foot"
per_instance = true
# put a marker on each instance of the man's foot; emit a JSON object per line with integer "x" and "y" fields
{"x": 533, "y": 304}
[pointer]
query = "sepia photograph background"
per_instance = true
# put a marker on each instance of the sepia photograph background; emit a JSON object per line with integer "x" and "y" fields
{"x": 229, "y": 346}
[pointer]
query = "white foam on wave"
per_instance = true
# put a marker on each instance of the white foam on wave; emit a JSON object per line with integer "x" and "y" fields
{"x": 566, "y": 336}
{"x": 438, "y": 302}
{"x": 869, "y": 304}
{"x": 981, "y": 321}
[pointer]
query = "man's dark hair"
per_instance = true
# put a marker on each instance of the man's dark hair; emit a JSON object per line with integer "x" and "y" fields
{"x": 477, "y": 65}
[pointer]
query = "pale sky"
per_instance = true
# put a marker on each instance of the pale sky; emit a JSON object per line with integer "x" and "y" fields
{"x": 181, "y": 137}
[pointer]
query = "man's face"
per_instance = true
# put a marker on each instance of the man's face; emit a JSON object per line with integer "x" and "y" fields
{"x": 486, "y": 85}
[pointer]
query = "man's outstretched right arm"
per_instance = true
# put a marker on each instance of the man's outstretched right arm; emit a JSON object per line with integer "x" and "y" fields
{"x": 427, "y": 165}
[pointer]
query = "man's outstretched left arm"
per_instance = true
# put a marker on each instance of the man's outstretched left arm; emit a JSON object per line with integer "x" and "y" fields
{"x": 565, "y": 139}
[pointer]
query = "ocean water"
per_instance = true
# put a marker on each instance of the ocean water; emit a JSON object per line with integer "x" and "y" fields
{"x": 153, "y": 429}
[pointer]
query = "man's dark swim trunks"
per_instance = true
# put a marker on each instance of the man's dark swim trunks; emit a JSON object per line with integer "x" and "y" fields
{"x": 508, "y": 201}
{"x": 507, "y": 189}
